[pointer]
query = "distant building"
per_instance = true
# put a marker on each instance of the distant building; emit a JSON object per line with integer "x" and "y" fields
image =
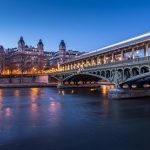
{"x": 62, "y": 54}
{"x": 26, "y": 59}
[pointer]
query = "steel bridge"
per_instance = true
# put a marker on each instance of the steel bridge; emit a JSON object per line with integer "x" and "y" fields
{"x": 126, "y": 62}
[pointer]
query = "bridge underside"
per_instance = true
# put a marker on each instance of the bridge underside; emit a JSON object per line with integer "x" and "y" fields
{"x": 83, "y": 78}
{"x": 138, "y": 81}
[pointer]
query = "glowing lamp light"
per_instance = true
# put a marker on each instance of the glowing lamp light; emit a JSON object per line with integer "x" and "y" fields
{"x": 120, "y": 58}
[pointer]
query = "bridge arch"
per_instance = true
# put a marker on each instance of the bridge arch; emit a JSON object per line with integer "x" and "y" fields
{"x": 144, "y": 69}
{"x": 85, "y": 77}
{"x": 108, "y": 73}
{"x": 53, "y": 79}
{"x": 135, "y": 71}
{"x": 127, "y": 73}
{"x": 112, "y": 72}
{"x": 141, "y": 78}
{"x": 121, "y": 72}
{"x": 103, "y": 73}
{"x": 98, "y": 73}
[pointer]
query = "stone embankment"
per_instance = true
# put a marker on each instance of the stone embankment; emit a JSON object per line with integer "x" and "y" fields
{"x": 27, "y": 85}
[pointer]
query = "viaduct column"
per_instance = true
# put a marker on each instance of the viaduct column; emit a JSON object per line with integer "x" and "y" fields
{"x": 146, "y": 51}
{"x": 113, "y": 55}
{"x": 98, "y": 60}
{"x": 104, "y": 59}
{"x": 132, "y": 53}
{"x": 122, "y": 55}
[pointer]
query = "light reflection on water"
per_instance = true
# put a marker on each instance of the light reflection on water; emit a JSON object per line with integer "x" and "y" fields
{"x": 105, "y": 88}
{"x": 55, "y": 108}
{"x": 76, "y": 114}
{"x": 62, "y": 92}
{"x": 34, "y": 93}
{"x": 1, "y": 99}
{"x": 17, "y": 93}
{"x": 8, "y": 112}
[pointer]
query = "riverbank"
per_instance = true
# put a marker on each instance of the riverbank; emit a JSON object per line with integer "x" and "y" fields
{"x": 27, "y": 85}
{"x": 62, "y": 86}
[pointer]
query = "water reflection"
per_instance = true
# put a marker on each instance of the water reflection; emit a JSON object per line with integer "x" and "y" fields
{"x": 34, "y": 106}
{"x": 34, "y": 94}
{"x": 1, "y": 95}
{"x": 93, "y": 89}
{"x": 72, "y": 92}
{"x": 1, "y": 99}
{"x": 106, "y": 88}
{"x": 55, "y": 107}
{"x": 105, "y": 101}
{"x": 17, "y": 93}
{"x": 55, "y": 111}
{"x": 8, "y": 112}
{"x": 62, "y": 92}
{"x": 105, "y": 105}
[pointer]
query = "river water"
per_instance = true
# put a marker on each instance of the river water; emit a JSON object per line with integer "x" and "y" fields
{"x": 72, "y": 119}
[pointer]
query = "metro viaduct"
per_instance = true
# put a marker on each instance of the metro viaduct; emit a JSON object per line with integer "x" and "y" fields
{"x": 127, "y": 62}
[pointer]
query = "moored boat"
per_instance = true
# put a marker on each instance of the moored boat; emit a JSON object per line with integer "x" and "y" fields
{"x": 120, "y": 93}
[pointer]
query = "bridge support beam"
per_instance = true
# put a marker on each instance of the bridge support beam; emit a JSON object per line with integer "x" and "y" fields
{"x": 133, "y": 53}
{"x": 122, "y": 55}
{"x": 113, "y": 57}
{"x": 146, "y": 51}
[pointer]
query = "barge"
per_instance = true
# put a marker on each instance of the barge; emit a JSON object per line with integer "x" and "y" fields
{"x": 120, "y": 93}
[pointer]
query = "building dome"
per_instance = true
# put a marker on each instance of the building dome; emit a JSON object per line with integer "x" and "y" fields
{"x": 1, "y": 47}
{"x": 40, "y": 45}
{"x": 21, "y": 41}
{"x": 40, "y": 42}
{"x": 62, "y": 45}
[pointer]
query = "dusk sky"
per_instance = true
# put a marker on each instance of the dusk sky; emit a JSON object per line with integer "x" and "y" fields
{"x": 84, "y": 24}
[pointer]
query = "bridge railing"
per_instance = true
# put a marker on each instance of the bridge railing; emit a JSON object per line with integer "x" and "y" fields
{"x": 123, "y": 62}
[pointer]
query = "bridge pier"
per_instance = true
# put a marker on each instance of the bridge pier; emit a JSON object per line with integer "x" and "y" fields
{"x": 42, "y": 78}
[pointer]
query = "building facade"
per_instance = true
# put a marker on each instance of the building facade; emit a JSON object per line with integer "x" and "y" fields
{"x": 62, "y": 54}
{"x": 25, "y": 59}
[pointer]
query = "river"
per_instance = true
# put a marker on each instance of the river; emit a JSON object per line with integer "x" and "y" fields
{"x": 72, "y": 119}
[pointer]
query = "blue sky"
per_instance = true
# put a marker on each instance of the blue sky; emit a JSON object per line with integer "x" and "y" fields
{"x": 84, "y": 24}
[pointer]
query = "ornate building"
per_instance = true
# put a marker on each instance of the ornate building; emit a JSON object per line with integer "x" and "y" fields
{"x": 28, "y": 59}
{"x": 62, "y": 54}
{"x": 21, "y": 44}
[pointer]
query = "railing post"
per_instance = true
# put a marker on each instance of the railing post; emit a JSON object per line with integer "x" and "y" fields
{"x": 146, "y": 51}
{"x": 132, "y": 53}
{"x": 104, "y": 59}
{"x": 122, "y": 55}
{"x": 98, "y": 62}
